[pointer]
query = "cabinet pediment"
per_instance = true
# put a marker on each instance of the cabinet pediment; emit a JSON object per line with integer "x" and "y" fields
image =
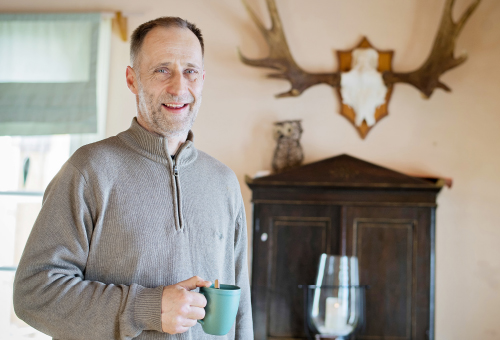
{"x": 344, "y": 171}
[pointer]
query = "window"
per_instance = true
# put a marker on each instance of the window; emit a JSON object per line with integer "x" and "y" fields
{"x": 40, "y": 126}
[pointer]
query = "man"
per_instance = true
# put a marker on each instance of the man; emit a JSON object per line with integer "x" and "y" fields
{"x": 131, "y": 225}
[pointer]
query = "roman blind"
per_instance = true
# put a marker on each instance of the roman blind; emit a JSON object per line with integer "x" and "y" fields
{"x": 49, "y": 70}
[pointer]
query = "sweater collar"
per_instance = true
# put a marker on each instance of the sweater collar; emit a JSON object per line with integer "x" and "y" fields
{"x": 156, "y": 147}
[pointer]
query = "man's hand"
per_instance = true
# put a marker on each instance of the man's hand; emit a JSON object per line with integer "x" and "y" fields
{"x": 180, "y": 308}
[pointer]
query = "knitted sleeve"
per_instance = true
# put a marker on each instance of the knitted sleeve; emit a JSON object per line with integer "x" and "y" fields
{"x": 50, "y": 290}
{"x": 244, "y": 324}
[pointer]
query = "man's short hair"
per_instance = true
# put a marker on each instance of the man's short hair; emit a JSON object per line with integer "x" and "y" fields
{"x": 140, "y": 33}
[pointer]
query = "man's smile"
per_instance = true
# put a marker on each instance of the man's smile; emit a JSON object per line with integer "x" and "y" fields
{"x": 175, "y": 107}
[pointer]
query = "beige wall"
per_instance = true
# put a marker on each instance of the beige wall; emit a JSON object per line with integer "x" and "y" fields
{"x": 453, "y": 134}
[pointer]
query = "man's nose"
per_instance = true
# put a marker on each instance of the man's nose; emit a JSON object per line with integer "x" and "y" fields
{"x": 177, "y": 85}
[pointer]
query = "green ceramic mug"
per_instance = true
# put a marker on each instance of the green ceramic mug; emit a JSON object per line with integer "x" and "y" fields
{"x": 221, "y": 309}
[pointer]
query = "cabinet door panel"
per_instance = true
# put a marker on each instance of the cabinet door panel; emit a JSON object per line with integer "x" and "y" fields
{"x": 393, "y": 245}
{"x": 296, "y": 244}
{"x": 385, "y": 251}
{"x": 296, "y": 237}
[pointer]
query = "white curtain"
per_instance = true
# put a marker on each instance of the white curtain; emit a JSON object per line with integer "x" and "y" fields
{"x": 53, "y": 72}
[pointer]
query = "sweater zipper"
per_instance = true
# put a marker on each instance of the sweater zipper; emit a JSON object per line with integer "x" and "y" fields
{"x": 177, "y": 196}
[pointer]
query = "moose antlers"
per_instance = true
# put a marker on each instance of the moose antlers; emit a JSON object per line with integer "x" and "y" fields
{"x": 441, "y": 58}
{"x": 281, "y": 59}
{"x": 425, "y": 78}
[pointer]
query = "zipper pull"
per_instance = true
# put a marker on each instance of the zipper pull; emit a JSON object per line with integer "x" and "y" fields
{"x": 176, "y": 171}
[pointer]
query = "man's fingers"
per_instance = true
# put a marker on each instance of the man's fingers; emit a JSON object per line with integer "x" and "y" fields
{"x": 181, "y": 307}
{"x": 194, "y": 282}
{"x": 181, "y": 329}
{"x": 189, "y": 323}
{"x": 206, "y": 284}
{"x": 196, "y": 313}
{"x": 197, "y": 299}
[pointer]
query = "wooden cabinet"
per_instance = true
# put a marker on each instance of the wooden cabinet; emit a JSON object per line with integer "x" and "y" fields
{"x": 343, "y": 205}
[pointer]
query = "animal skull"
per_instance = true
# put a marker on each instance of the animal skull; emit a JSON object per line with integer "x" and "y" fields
{"x": 363, "y": 88}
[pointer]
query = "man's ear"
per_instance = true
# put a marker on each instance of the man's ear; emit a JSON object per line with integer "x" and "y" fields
{"x": 132, "y": 80}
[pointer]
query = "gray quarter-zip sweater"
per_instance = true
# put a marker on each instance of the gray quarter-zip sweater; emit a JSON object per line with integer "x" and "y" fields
{"x": 121, "y": 220}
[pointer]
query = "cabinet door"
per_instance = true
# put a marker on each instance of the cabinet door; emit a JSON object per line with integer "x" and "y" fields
{"x": 288, "y": 241}
{"x": 393, "y": 246}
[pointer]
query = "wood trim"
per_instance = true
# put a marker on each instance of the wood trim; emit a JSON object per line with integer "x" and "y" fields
{"x": 432, "y": 286}
{"x": 342, "y": 185}
{"x": 346, "y": 203}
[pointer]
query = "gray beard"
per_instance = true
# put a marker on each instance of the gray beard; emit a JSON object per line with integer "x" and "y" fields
{"x": 165, "y": 125}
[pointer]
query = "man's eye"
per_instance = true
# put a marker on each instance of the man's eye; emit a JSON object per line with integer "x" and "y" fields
{"x": 162, "y": 71}
{"x": 191, "y": 71}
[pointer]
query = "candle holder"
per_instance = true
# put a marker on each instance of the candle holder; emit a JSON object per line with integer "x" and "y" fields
{"x": 334, "y": 306}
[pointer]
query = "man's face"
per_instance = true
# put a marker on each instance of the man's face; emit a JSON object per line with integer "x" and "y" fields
{"x": 167, "y": 78}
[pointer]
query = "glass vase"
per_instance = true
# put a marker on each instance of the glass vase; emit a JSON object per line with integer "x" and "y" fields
{"x": 335, "y": 302}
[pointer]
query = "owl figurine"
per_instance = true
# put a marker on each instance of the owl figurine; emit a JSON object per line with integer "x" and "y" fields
{"x": 288, "y": 153}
